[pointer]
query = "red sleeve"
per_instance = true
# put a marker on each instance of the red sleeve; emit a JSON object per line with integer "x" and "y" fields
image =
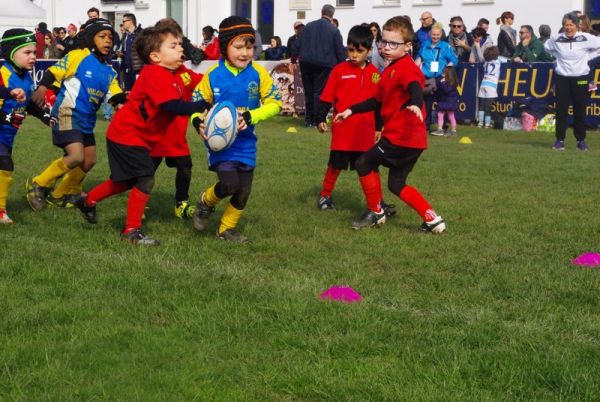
{"x": 160, "y": 84}
{"x": 212, "y": 51}
{"x": 328, "y": 94}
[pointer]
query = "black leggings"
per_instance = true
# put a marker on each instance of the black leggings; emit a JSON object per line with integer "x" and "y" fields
{"x": 571, "y": 90}
{"x": 6, "y": 163}
{"x": 236, "y": 184}
{"x": 183, "y": 177}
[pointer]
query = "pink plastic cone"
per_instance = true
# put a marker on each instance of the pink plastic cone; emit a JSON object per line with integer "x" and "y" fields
{"x": 590, "y": 260}
{"x": 344, "y": 294}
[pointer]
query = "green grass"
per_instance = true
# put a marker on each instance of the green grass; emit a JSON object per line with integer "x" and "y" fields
{"x": 492, "y": 310}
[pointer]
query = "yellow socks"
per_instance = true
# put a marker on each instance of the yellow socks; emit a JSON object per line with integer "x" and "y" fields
{"x": 70, "y": 184}
{"x": 54, "y": 170}
{"x": 230, "y": 218}
{"x": 210, "y": 198}
{"x": 6, "y": 178}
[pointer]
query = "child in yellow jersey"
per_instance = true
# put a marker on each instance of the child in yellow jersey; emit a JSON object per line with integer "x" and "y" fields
{"x": 250, "y": 88}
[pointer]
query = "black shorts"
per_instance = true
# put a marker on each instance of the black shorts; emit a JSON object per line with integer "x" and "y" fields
{"x": 179, "y": 162}
{"x": 62, "y": 138}
{"x": 343, "y": 160}
{"x": 128, "y": 162}
{"x": 384, "y": 153}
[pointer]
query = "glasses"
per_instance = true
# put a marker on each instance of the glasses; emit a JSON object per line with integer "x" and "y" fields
{"x": 523, "y": 32}
{"x": 393, "y": 45}
{"x": 424, "y": 19}
{"x": 456, "y": 26}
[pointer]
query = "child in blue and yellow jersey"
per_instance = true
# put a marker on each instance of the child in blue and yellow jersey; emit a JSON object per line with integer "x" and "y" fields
{"x": 250, "y": 88}
{"x": 16, "y": 88}
{"x": 85, "y": 77}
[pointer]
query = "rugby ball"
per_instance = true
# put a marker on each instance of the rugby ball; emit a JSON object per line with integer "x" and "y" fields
{"x": 221, "y": 126}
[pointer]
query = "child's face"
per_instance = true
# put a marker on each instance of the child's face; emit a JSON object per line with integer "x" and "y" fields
{"x": 358, "y": 55}
{"x": 390, "y": 40}
{"x": 25, "y": 57}
{"x": 239, "y": 54}
{"x": 273, "y": 43}
{"x": 103, "y": 41}
{"x": 170, "y": 53}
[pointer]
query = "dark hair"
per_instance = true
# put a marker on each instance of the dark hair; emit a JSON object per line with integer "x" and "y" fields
{"x": 491, "y": 53}
{"x": 528, "y": 28}
{"x": 545, "y": 31}
{"x": 92, "y": 10}
{"x": 209, "y": 30}
{"x": 450, "y": 76}
{"x": 376, "y": 25}
{"x": 479, "y": 32}
{"x": 505, "y": 15}
{"x": 335, "y": 22}
{"x": 131, "y": 17}
{"x": 360, "y": 36}
{"x": 483, "y": 21}
{"x": 328, "y": 10}
{"x": 402, "y": 25}
{"x": 169, "y": 22}
{"x": 150, "y": 40}
{"x": 277, "y": 40}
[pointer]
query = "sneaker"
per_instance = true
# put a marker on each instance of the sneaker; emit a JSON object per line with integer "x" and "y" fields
{"x": 389, "y": 209}
{"x": 36, "y": 194}
{"x": 450, "y": 133}
{"x": 183, "y": 210}
{"x": 66, "y": 201}
{"x": 559, "y": 145}
{"x": 369, "y": 219}
{"x": 201, "y": 215}
{"x": 5, "y": 219}
{"x": 136, "y": 236}
{"x": 232, "y": 235}
{"x": 325, "y": 203}
{"x": 490, "y": 125}
{"x": 438, "y": 133}
{"x": 436, "y": 225}
{"x": 88, "y": 212}
{"x": 480, "y": 124}
{"x": 582, "y": 146}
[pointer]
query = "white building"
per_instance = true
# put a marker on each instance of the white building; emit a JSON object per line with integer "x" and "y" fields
{"x": 276, "y": 17}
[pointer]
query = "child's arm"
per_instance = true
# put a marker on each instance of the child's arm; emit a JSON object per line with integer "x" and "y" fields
{"x": 322, "y": 110}
{"x": 271, "y": 100}
{"x": 65, "y": 67}
{"x": 41, "y": 113}
{"x": 369, "y": 105}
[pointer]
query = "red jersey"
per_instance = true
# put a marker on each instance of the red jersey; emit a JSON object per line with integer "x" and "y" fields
{"x": 174, "y": 143}
{"x": 401, "y": 126}
{"x": 347, "y": 85}
{"x": 141, "y": 121}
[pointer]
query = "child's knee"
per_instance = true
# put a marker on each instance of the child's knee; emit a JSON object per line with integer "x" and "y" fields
{"x": 240, "y": 198}
{"x": 145, "y": 184}
{"x": 395, "y": 185}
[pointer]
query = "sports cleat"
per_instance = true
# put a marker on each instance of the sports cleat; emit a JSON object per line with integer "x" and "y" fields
{"x": 66, "y": 201}
{"x": 232, "y": 235}
{"x": 183, "y": 210}
{"x": 450, "y": 133}
{"x": 389, "y": 209}
{"x": 203, "y": 212}
{"x": 136, "y": 236}
{"x": 582, "y": 146}
{"x": 88, "y": 212}
{"x": 489, "y": 125}
{"x": 369, "y": 219}
{"x": 36, "y": 194}
{"x": 325, "y": 203}
{"x": 480, "y": 124}
{"x": 436, "y": 225}
{"x": 5, "y": 219}
{"x": 559, "y": 145}
{"x": 438, "y": 133}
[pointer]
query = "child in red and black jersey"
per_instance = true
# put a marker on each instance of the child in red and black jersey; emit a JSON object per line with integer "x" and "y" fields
{"x": 174, "y": 146}
{"x": 350, "y": 82}
{"x": 155, "y": 100}
{"x": 399, "y": 98}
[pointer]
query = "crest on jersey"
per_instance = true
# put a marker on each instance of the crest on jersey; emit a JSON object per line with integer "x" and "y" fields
{"x": 375, "y": 78}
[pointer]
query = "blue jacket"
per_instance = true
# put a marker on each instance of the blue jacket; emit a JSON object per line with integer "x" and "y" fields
{"x": 320, "y": 43}
{"x": 441, "y": 52}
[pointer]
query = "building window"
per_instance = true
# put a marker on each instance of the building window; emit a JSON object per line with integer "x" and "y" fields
{"x": 478, "y": 2}
{"x": 427, "y": 3}
{"x": 344, "y": 3}
{"x": 386, "y": 3}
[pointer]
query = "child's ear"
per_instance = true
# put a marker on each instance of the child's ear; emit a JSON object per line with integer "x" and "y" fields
{"x": 154, "y": 57}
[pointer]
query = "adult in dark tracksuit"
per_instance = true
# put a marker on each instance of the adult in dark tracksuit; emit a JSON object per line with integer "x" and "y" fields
{"x": 319, "y": 48}
{"x": 572, "y": 50}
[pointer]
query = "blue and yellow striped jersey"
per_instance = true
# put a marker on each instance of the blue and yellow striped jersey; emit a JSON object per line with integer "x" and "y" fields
{"x": 12, "y": 80}
{"x": 251, "y": 89}
{"x": 84, "y": 81}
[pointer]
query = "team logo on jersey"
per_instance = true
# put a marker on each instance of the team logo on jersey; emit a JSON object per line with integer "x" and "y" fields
{"x": 392, "y": 73}
{"x": 88, "y": 74}
{"x": 185, "y": 77}
{"x": 375, "y": 78}
{"x": 253, "y": 90}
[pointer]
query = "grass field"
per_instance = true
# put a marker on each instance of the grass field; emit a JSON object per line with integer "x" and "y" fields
{"x": 491, "y": 310}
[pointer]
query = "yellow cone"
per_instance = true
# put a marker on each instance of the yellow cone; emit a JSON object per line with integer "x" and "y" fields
{"x": 465, "y": 140}
{"x": 292, "y": 130}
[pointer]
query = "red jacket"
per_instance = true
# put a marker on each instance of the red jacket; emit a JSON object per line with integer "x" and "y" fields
{"x": 212, "y": 51}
